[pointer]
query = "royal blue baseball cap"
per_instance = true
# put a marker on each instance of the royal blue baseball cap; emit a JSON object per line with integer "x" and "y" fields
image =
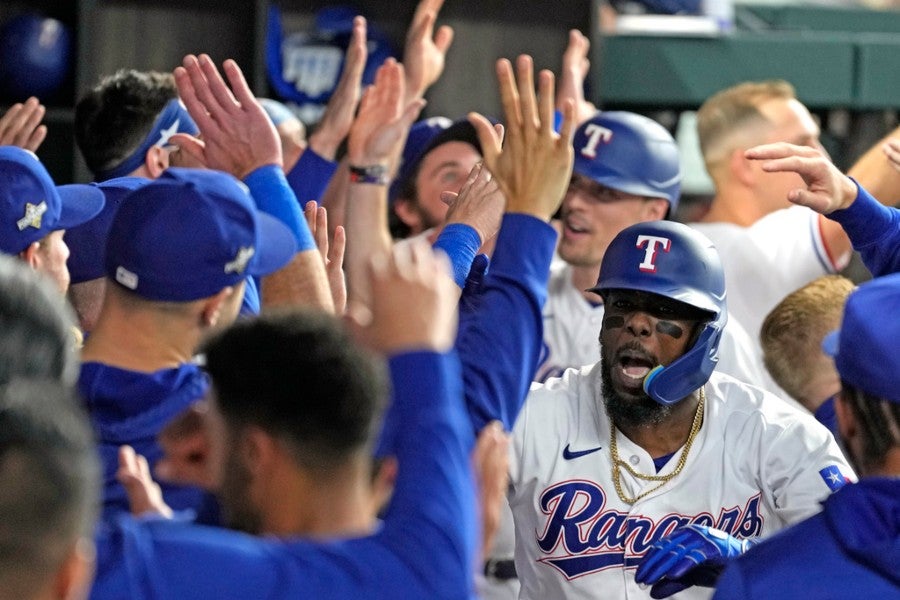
{"x": 865, "y": 347}
{"x": 420, "y": 134}
{"x": 87, "y": 242}
{"x": 31, "y": 205}
{"x": 191, "y": 233}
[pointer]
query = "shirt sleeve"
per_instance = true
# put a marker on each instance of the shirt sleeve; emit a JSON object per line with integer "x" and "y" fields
{"x": 874, "y": 231}
{"x": 501, "y": 331}
{"x": 310, "y": 176}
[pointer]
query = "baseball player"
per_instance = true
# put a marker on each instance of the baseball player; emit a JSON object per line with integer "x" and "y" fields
{"x": 610, "y": 458}
{"x": 312, "y": 463}
{"x": 850, "y": 549}
{"x": 626, "y": 171}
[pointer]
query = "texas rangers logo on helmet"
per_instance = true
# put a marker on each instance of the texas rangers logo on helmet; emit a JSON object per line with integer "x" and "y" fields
{"x": 653, "y": 244}
{"x": 595, "y": 134}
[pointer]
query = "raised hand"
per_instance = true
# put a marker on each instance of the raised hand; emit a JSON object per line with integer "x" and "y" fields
{"x": 827, "y": 189}
{"x": 237, "y": 135}
{"x": 691, "y": 555}
{"x": 479, "y": 203}
{"x": 575, "y": 69}
{"x": 21, "y": 125}
{"x": 534, "y": 166}
{"x": 144, "y": 495}
{"x": 332, "y": 252}
{"x": 380, "y": 128}
{"x": 425, "y": 51}
{"x": 186, "y": 450}
{"x": 413, "y": 304}
{"x": 335, "y": 123}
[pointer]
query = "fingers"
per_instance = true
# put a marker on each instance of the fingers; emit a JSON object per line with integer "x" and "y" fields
{"x": 338, "y": 247}
{"x": 20, "y": 125}
{"x": 780, "y": 150}
{"x": 490, "y": 138}
{"x": 569, "y": 123}
{"x": 242, "y": 92}
{"x": 221, "y": 97}
{"x": 547, "y": 102}
{"x": 449, "y": 198}
{"x": 190, "y": 145}
{"x": 527, "y": 99}
{"x": 509, "y": 95}
{"x": 443, "y": 39}
{"x": 188, "y": 94}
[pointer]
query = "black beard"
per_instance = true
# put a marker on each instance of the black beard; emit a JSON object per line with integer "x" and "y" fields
{"x": 634, "y": 411}
{"x": 238, "y": 512}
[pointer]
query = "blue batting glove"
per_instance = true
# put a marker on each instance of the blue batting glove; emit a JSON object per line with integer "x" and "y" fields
{"x": 691, "y": 555}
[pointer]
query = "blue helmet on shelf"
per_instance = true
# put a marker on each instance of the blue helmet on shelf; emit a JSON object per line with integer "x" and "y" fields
{"x": 35, "y": 56}
{"x": 672, "y": 260}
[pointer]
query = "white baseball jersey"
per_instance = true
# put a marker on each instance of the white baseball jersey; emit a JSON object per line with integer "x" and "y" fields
{"x": 756, "y": 466}
{"x": 572, "y": 331}
{"x": 765, "y": 262}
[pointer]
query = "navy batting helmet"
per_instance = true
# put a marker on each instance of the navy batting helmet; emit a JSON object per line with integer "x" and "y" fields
{"x": 630, "y": 153}
{"x": 672, "y": 260}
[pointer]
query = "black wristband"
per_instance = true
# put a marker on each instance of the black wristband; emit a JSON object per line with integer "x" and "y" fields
{"x": 375, "y": 174}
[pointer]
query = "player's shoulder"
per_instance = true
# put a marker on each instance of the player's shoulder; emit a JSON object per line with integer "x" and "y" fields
{"x": 564, "y": 393}
{"x": 742, "y": 403}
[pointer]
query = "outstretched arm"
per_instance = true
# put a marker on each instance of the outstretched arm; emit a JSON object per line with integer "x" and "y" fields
{"x": 873, "y": 229}
{"x": 376, "y": 139}
{"x": 500, "y": 321}
{"x": 239, "y": 138}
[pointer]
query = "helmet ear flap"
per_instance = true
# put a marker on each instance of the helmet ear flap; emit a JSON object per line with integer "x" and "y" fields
{"x": 672, "y": 383}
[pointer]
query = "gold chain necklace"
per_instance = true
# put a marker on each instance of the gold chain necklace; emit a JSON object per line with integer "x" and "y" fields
{"x": 663, "y": 479}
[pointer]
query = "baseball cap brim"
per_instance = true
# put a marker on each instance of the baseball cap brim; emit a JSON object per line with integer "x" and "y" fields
{"x": 79, "y": 203}
{"x": 276, "y": 246}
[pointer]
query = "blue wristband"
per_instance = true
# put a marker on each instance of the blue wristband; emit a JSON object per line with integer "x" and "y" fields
{"x": 461, "y": 242}
{"x": 274, "y": 197}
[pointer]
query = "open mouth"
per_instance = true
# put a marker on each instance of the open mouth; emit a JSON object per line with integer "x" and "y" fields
{"x": 634, "y": 366}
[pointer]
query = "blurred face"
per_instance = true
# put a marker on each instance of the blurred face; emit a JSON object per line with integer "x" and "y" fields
{"x": 593, "y": 214}
{"x": 231, "y": 471}
{"x": 52, "y": 256}
{"x": 444, "y": 169}
{"x": 640, "y": 331}
{"x": 792, "y": 123}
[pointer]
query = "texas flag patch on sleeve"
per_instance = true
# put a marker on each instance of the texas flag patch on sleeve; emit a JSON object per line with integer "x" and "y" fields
{"x": 833, "y": 478}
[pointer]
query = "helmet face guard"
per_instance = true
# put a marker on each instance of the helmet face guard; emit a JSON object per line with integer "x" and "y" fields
{"x": 677, "y": 262}
{"x": 630, "y": 153}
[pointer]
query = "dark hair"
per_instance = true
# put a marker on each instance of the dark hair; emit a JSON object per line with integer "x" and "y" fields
{"x": 113, "y": 119}
{"x": 36, "y": 326}
{"x": 879, "y": 422}
{"x": 299, "y": 377}
{"x": 49, "y": 482}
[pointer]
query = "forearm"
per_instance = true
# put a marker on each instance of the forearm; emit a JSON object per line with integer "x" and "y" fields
{"x": 273, "y": 196}
{"x": 432, "y": 442}
{"x": 507, "y": 326}
{"x": 367, "y": 235}
{"x": 310, "y": 176}
{"x": 302, "y": 282}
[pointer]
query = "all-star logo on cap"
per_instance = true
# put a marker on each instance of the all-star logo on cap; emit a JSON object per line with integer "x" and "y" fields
{"x": 33, "y": 215}
{"x": 240, "y": 261}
